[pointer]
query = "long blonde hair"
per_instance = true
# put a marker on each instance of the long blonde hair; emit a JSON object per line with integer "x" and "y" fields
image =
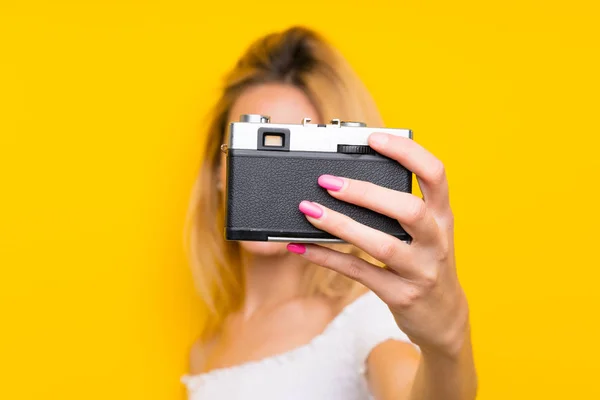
{"x": 298, "y": 57}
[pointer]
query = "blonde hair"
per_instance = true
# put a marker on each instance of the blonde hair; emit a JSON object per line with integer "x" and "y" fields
{"x": 297, "y": 57}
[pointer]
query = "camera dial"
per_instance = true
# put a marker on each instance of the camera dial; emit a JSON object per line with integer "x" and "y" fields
{"x": 354, "y": 124}
{"x": 255, "y": 118}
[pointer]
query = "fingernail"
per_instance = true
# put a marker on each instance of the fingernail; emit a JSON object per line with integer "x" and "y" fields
{"x": 296, "y": 248}
{"x": 311, "y": 209}
{"x": 378, "y": 139}
{"x": 331, "y": 182}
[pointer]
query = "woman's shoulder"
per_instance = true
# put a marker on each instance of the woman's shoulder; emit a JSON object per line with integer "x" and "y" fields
{"x": 198, "y": 355}
{"x": 369, "y": 322}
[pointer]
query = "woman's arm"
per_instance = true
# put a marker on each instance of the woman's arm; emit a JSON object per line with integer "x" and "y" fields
{"x": 396, "y": 371}
{"x": 419, "y": 282}
{"x": 449, "y": 376}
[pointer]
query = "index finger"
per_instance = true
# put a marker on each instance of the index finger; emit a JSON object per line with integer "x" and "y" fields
{"x": 430, "y": 171}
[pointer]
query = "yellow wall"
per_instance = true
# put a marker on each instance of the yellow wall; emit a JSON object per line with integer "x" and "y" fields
{"x": 100, "y": 115}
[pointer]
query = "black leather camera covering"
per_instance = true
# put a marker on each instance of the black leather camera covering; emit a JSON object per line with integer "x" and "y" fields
{"x": 264, "y": 189}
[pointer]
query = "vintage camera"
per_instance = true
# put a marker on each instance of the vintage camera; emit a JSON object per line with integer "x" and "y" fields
{"x": 271, "y": 168}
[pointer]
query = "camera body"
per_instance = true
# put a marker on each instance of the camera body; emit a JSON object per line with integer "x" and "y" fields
{"x": 271, "y": 168}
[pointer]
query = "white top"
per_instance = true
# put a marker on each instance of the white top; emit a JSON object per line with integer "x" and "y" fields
{"x": 329, "y": 367}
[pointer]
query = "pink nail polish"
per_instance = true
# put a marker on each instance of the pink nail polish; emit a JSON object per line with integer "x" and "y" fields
{"x": 331, "y": 182}
{"x": 311, "y": 209}
{"x": 296, "y": 248}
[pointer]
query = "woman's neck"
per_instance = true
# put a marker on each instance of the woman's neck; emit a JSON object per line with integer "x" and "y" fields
{"x": 271, "y": 280}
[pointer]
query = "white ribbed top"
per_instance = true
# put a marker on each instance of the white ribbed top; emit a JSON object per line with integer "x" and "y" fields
{"x": 330, "y": 367}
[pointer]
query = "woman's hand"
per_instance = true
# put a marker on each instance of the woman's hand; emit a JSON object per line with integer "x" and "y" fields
{"x": 419, "y": 282}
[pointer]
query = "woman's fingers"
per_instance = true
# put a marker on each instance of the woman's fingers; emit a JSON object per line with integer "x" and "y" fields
{"x": 429, "y": 170}
{"x": 383, "y": 247}
{"x": 409, "y": 210}
{"x": 381, "y": 281}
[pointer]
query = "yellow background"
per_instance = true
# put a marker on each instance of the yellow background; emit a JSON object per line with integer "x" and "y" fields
{"x": 101, "y": 113}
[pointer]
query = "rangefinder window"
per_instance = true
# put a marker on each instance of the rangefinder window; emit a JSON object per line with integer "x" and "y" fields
{"x": 277, "y": 139}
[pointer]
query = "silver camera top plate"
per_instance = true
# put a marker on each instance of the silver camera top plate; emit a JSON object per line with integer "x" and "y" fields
{"x": 306, "y": 136}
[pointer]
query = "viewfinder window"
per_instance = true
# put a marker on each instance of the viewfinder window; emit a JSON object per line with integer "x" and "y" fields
{"x": 273, "y": 140}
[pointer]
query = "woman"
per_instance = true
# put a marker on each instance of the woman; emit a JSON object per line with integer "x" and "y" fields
{"x": 312, "y": 322}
